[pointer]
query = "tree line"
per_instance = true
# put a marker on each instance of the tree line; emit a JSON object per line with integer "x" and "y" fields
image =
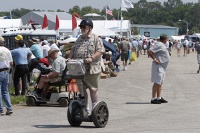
{"x": 151, "y": 13}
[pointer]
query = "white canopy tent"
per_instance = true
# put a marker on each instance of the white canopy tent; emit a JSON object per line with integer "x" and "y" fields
{"x": 195, "y": 35}
{"x": 92, "y": 14}
{"x": 173, "y": 38}
{"x": 66, "y": 27}
{"x": 10, "y": 23}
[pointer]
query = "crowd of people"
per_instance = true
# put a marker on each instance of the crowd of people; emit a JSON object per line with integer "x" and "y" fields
{"x": 100, "y": 62}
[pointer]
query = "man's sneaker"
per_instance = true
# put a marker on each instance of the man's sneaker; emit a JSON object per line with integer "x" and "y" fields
{"x": 2, "y": 113}
{"x": 9, "y": 112}
{"x": 155, "y": 101}
{"x": 88, "y": 111}
{"x": 162, "y": 100}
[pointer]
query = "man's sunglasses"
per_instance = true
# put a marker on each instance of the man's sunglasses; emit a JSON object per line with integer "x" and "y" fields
{"x": 82, "y": 27}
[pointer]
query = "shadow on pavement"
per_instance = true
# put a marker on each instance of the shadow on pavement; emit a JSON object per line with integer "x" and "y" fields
{"x": 191, "y": 73}
{"x": 137, "y": 102}
{"x": 61, "y": 126}
{"x": 42, "y": 105}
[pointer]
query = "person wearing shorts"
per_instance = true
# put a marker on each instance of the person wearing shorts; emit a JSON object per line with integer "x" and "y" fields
{"x": 124, "y": 48}
{"x": 160, "y": 55}
{"x": 88, "y": 47}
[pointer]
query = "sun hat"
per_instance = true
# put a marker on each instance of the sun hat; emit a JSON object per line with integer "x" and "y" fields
{"x": 52, "y": 50}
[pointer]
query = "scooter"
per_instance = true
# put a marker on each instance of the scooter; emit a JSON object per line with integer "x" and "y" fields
{"x": 53, "y": 96}
{"x": 76, "y": 113}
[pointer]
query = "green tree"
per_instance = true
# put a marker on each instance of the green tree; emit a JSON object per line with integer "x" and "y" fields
{"x": 173, "y": 3}
{"x": 76, "y": 9}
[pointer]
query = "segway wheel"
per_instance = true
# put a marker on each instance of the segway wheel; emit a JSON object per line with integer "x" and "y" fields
{"x": 71, "y": 118}
{"x": 100, "y": 115}
{"x": 30, "y": 101}
{"x": 63, "y": 102}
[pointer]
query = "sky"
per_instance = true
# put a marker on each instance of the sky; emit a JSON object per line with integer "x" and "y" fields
{"x": 7, "y": 5}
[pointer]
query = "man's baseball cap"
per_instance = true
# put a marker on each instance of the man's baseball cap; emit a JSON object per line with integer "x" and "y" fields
{"x": 19, "y": 37}
{"x": 45, "y": 42}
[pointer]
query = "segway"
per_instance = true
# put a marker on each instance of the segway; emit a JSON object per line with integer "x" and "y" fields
{"x": 76, "y": 113}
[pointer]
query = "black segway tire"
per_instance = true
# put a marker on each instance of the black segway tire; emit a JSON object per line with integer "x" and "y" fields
{"x": 100, "y": 115}
{"x": 30, "y": 101}
{"x": 71, "y": 118}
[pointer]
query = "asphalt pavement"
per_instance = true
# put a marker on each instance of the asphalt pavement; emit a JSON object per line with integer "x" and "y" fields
{"x": 128, "y": 98}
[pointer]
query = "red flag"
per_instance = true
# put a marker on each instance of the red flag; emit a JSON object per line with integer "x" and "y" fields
{"x": 45, "y": 22}
{"x": 74, "y": 22}
{"x": 57, "y": 23}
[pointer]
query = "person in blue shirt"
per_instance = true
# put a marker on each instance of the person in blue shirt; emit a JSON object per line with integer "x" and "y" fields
{"x": 36, "y": 48}
{"x": 37, "y": 52}
{"x": 21, "y": 56}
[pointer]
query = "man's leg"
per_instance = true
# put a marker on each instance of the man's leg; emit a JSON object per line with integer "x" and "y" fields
{"x": 5, "y": 93}
{"x": 159, "y": 91}
{"x": 16, "y": 80}
{"x": 154, "y": 90}
{"x": 42, "y": 83}
{"x": 1, "y": 104}
{"x": 94, "y": 97}
{"x": 125, "y": 64}
{"x": 159, "y": 98}
{"x": 24, "y": 72}
{"x": 24, "y": 84}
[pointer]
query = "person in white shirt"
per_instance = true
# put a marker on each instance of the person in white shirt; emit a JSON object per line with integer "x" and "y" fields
{"x": 53, "y": 45}
{"x": 167, "y": 44}
{"x": 140, "y": 43}
{"x": 160, "y": 55}
{"x": 185, "y": 45}
{"x": 178, "y": 47}
{"x": 5, "y": 62}
{"x": 45, "y": 48}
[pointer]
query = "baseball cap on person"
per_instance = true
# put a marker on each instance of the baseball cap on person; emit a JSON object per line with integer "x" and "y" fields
{"x": 86, "y": 22}
{"x": 52, "y": 50}
{"x": 19, "y": 37}
{"x": 1, "y": 40}
{"x": 45, "y": 42}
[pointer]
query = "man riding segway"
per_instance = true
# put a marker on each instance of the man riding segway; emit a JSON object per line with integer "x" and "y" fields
{"x": 89, "y": 47}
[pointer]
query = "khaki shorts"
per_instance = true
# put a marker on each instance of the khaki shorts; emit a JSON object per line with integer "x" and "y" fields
{"x": 90, "y": 81}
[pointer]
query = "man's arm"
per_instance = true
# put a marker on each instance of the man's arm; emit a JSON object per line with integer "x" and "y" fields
{"x": 151, "y": 54}
{"x": 11, "y": 63}
{"x": 29, "y": 55}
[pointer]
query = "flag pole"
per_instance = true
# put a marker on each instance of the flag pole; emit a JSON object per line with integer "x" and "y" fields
{"x": 121, "y": 21}
{"x": 106, "y": 18}
{"x": 106, "y": 12}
